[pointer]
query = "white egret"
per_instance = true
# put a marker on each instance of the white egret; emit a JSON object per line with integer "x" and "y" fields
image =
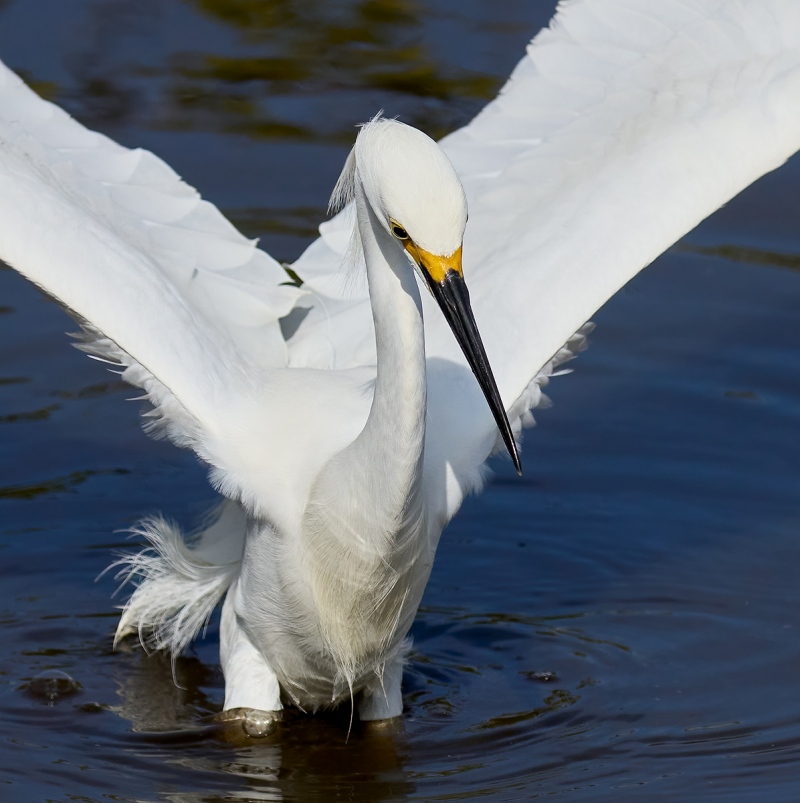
{"x": 342, "y": 433}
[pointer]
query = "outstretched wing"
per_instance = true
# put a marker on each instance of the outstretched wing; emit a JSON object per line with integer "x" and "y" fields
{"x": 122, "y": 242}
{"x": 164, "y": 286}
{"x": 627, "y": 123}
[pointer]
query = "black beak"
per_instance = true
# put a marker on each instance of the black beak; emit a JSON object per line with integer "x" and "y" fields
{"x": 453, "y": 298}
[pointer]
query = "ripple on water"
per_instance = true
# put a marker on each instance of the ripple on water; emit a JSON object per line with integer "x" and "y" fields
{"x": 51, "y": 686}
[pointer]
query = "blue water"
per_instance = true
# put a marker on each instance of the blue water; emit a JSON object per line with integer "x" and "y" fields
{"x": 622, "y": 623}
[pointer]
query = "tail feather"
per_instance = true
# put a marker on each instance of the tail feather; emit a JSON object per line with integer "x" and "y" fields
{"x": 179, "y": 581}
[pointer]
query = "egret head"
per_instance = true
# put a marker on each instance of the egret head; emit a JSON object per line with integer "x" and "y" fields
{"x": 416, "y": 196}
{"x": 411, "y": 186}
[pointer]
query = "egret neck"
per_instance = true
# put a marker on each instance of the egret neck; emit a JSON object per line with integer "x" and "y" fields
{"x": 363, "y": 528}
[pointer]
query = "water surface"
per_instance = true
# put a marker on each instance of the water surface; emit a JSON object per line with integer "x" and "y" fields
{"x": 623, "y": 623}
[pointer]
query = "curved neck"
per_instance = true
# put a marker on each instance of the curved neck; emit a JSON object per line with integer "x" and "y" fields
{"x": 371, "y": 490}
{"x": 363, "y": 540}
{"x": 392, "y": 440}
{"x": 400, "y": 387}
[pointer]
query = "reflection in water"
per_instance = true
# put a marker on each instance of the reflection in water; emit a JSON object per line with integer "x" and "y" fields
{"x": 305, "y": 759}
{"x": 360, "y": 46}
{"x": 446, "y": 731}
{"x": 53, "y": 485}
{"x": 159, "y": 697}
{"x": 28, "y": 415}
{"x": 753, "y": 256}
{"x": 301, "y": 223}
{"x": 287, "y": 69}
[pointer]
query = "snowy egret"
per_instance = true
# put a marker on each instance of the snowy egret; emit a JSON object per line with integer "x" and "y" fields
{"x": 342, "y": 434}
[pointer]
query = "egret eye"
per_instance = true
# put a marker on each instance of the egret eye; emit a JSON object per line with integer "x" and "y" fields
{"x": 399, "y": 231}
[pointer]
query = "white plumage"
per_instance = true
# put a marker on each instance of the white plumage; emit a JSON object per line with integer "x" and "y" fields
{"x": 627, "y": 122}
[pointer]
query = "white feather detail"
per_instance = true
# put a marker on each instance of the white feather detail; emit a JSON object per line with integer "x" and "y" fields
{"x": 179, "y": 581}
{"x": 520, "y": 414}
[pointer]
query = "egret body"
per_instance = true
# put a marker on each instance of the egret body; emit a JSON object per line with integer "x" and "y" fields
{"x": 324, "y": 614}
{"x": 344, "y": 421}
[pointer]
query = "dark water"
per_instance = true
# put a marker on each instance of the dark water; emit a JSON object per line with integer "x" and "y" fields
{"x": 621, "y": 624}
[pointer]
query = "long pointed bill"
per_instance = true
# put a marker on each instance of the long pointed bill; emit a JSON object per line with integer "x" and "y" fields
{"x": 448, "y": 287}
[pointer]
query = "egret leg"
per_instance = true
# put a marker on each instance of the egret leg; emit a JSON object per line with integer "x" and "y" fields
{"x": 384, "y": 698}
{"x": 250, "y": 683}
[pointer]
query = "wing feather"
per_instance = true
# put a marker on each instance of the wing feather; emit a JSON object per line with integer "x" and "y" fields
{"x": 136, "y": 207}
{"x": 626, "y": 123}
{"x": 163, "y": 285}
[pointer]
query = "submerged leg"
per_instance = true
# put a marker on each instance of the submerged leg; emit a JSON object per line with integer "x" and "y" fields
{"x": 252, "y": 693}
{"x": 383, "y": 699}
